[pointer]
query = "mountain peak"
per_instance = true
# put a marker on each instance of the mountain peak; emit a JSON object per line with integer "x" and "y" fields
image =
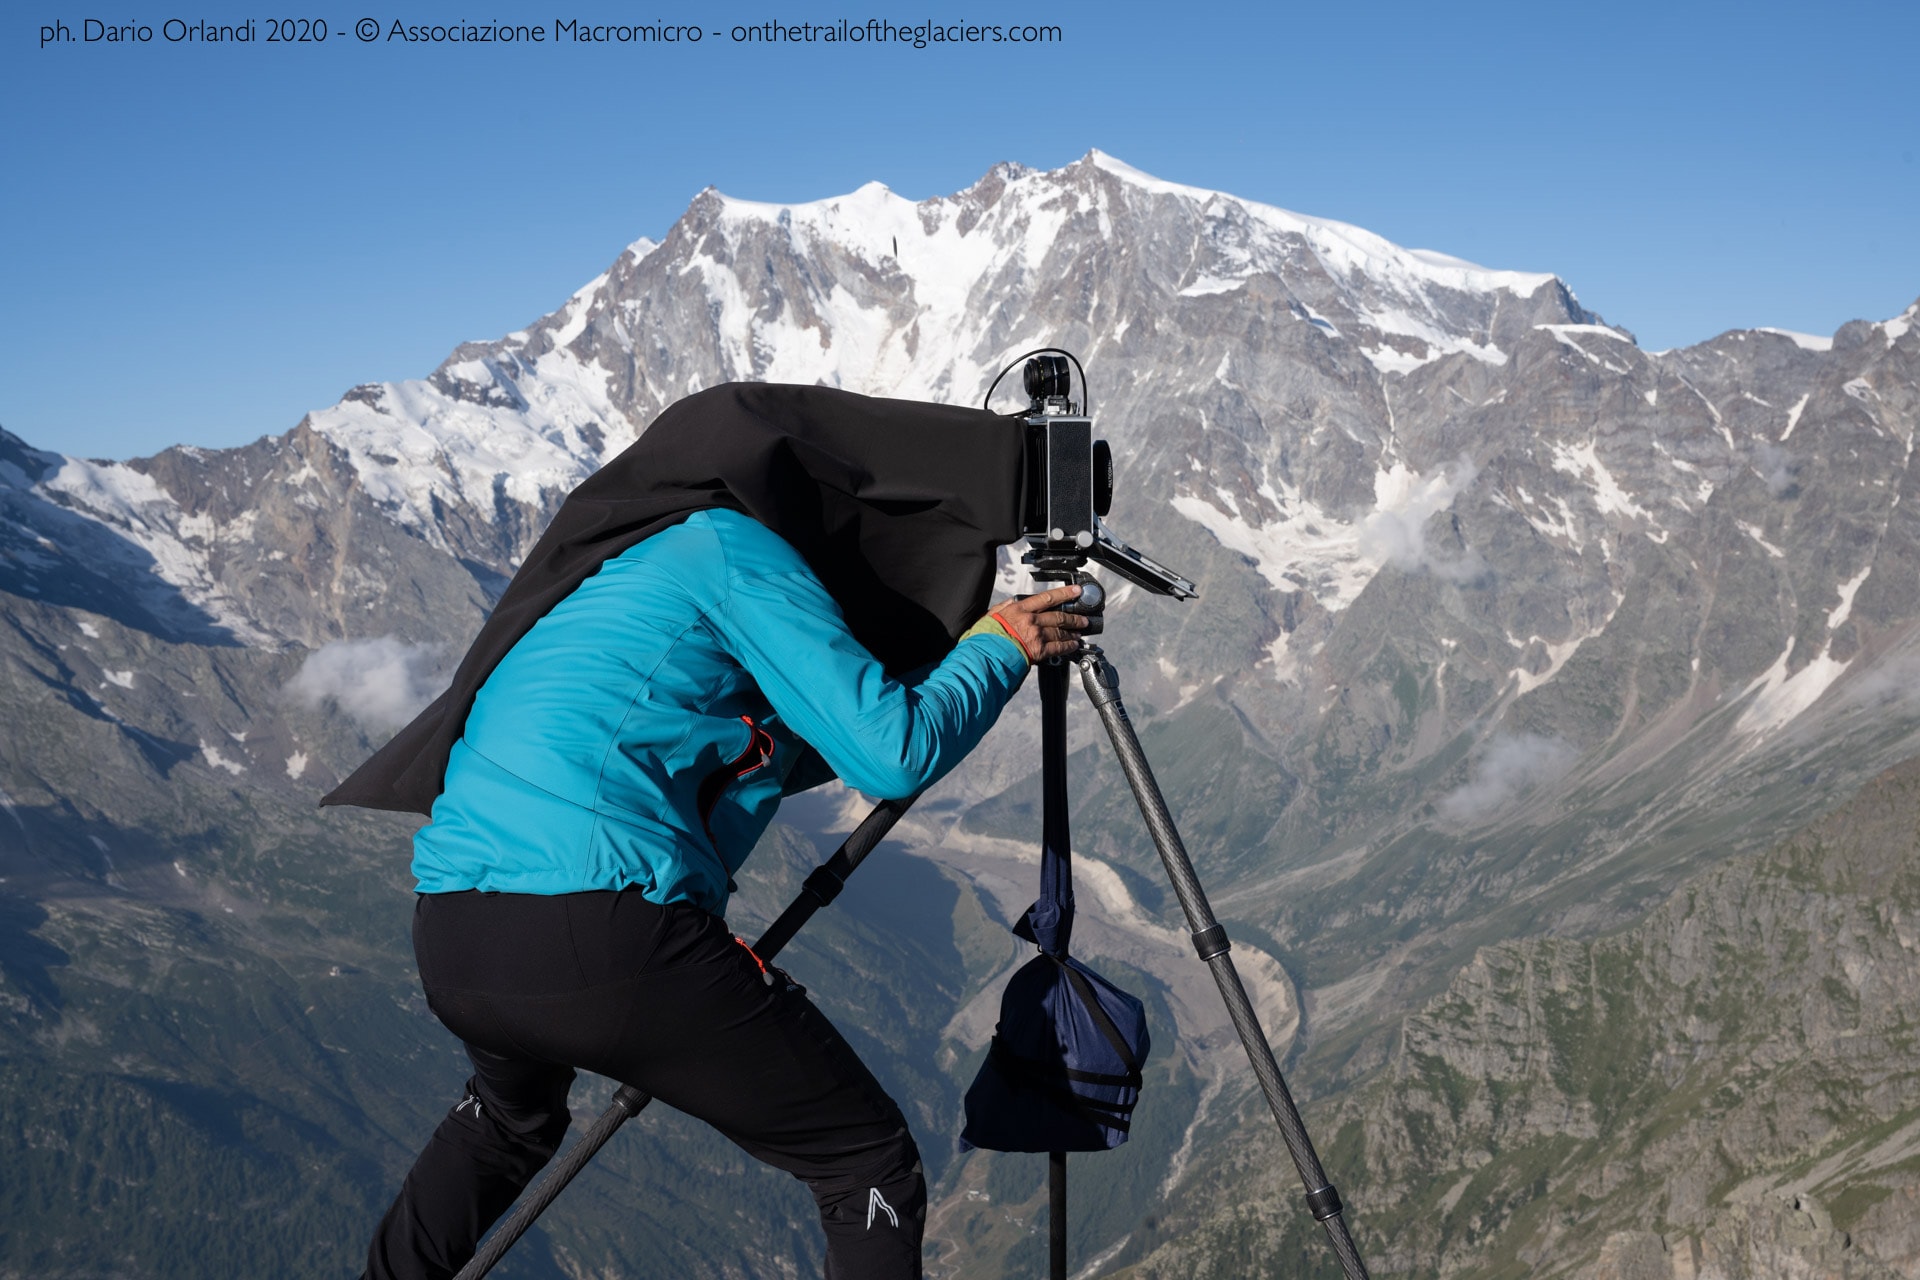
{"x": 1352, "y": 247}
{"x": 867, "y": 197}
{"x": 880, "y": 294}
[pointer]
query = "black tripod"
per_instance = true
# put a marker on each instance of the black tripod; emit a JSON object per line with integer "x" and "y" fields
{"x": 1102, "y": 684}
{"x": 824, "y": 883}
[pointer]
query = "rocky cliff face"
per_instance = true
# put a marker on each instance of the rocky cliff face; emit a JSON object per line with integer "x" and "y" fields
{"x": 1728, "y": 1089}
{"x": 1507, "y": 627}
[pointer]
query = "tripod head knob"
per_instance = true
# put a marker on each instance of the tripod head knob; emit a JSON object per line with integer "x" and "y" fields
{"x": 1092, "y": 601}
{"x": 1090, "y": 604}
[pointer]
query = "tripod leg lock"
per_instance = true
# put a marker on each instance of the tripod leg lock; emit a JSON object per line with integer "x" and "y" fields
{"x": 1324, "y": 1203}
{"x": 1211, "y": 942}
{"x": 823, "y": 885}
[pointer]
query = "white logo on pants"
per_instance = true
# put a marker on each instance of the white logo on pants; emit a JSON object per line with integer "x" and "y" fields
{"x": 877, "y": 1201}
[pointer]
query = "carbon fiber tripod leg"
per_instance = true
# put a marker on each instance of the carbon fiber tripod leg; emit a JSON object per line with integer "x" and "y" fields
{"x": 823, "y": 885}
{"x": 1210, "y": 942}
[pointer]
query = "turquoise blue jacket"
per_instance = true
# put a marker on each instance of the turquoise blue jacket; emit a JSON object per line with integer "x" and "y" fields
{"x": 641, "y": 733}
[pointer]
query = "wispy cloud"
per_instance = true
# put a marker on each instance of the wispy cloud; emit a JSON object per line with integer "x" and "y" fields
{"x": 382, "y": 683}
{"x": 1775, "y": 465}
{"x": 1893, "y": 683}
{"x": 1510, "y": 765}
{"x": 1396, "y": 533}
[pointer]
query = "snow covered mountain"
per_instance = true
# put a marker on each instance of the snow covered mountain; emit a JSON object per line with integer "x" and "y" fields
{"x": 1336, "y": 414}
{"x": 870, "y": 292}
{"x": 1506, "y": 625}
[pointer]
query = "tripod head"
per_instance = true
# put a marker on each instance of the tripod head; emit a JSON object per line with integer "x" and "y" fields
{"x": 1070, "y": 487}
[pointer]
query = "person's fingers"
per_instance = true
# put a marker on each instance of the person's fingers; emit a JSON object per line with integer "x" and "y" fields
{"x": 1040, "y": 627}
{"x": 1045, "y": 601}
{"x": 1063, "y": 635}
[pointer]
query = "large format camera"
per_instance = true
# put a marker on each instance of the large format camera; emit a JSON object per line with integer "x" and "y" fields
{"x": 1070, "y": 487}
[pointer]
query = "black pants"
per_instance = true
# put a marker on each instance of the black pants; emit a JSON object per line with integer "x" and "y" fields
{"x": 664, "y": 999}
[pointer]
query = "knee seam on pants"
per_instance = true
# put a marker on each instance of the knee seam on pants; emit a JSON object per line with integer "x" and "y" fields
{"x": 899, "y": 1163}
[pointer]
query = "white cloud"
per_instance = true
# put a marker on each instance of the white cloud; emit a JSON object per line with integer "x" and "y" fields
{"x": 1895, "y": 682}
{"x": 382, "y": 683}
{"x": 1511, "y": 764}
{"x": 1396, "y": 534}
{"x": 1775, "y": 465}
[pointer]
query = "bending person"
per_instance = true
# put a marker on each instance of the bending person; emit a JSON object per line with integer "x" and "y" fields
{"x": 614, "y": 770}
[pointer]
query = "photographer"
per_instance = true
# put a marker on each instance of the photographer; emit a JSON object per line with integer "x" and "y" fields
{"x": 675, "y": 655}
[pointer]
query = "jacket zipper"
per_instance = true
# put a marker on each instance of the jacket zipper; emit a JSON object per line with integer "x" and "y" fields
{"x": 756, "y": 756}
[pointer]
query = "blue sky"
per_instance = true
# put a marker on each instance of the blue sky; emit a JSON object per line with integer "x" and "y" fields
{"x": 201, "y": 243}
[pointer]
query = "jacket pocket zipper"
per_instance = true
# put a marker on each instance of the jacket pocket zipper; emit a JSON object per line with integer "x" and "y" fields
{"x": 756, "y": 756}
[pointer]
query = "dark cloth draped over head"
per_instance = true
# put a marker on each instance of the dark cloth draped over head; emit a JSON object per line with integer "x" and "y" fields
{"x": 899, "y": 506}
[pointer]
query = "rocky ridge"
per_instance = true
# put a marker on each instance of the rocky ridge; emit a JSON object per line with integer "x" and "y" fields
{"x": 1729, "y": 1090}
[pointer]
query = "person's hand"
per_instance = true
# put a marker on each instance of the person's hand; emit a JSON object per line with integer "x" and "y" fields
{"x": 1038, "y": 627}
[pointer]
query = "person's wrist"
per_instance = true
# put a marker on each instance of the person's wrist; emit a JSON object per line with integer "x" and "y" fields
{"x": 994, "y": 625}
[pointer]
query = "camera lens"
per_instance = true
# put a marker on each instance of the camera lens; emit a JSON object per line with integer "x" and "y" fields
{"x": 1047, "y": 377}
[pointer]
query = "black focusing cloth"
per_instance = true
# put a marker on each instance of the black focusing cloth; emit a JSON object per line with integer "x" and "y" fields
{"x": 897, "y": 505}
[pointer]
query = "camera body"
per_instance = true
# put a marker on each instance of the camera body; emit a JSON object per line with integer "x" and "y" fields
{"x": 1070, "y": 480}
{"x": 1070, "y": 487}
